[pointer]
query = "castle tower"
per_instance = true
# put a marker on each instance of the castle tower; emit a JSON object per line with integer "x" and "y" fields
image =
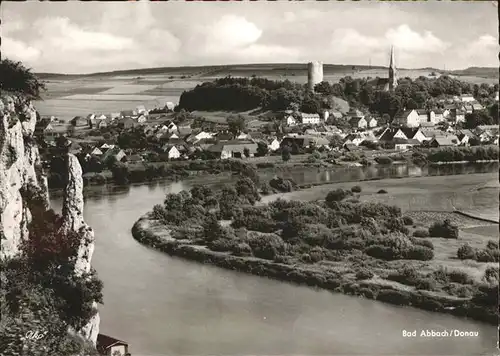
{"x": 393, "y": 80}
{"x": 314, "y": 74}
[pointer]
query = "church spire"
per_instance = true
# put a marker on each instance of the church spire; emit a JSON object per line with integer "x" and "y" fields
{"x": 393, "y": 82}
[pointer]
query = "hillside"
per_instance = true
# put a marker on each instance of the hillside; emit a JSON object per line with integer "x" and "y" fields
{"x": 262, "y": 67}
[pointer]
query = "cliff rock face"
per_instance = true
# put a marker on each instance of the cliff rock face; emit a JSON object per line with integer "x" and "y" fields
{"x": 19, "y": 160}
{"x": 72, "y": 214}
{"x": 20, "y": 170}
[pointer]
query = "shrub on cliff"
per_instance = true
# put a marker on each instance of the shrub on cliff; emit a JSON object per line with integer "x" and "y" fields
{"x": 16, "y": 78}
{"x": 444, "y": 229}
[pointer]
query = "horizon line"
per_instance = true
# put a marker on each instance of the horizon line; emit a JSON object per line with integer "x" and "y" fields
{"x": 247, "y": 64}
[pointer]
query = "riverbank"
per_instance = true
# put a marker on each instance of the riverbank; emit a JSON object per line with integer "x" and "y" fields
{"x": 152, "y": 233}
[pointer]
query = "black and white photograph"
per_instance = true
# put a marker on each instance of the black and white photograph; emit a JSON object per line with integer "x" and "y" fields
{"x": 249, "y": 178}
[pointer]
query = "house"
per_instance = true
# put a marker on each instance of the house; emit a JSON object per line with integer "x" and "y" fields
{"x": 230, "y": 149}
{"x": 496, "y": 96}
{"x": 107, "y": 345}
{"x": 457, "y": 115}
{"x": 466, "y": 98}
{"x": 409, "y": 118}
{"x": 444, "y": 141}
{"x": 171, "y": 150}
{"x": 102, "y": 124}
{"x": 304, "y": 141}
{"x": 170, "y": 106}
{"x": 274, "y": 145}
{"x": 116, "y": 152}
{"x": 390, "y": 133}
{"x": 243, "y": 136}
{"x": 372, "y": 122}
{"x": 128, "y": 123}
{"x": 114, "y": 115}
{"x": 438, "y": 116}
{"x": 446, "y": 113}
{"x": 427, "y": 124}
{"x": 106, "y": 146}
{"x": 430, "y": 133}
{"x": 354, "y": 139}
{"x": 128, "y": 113}
{"x": 171, "y": 126}
{"x": 198, "y": 135}
{"x": 96, "y": 152}
{"x": 426, "y": 116}
{"x": 79, "y": 121}
{"x": 142, "y": 119}
{"x": 464, "y": 136}
{"x": 223, "y": 136}
{"x": 358, "y": 122}
{"x": 290, "y": 120}
{"x": 477, "y": 107}
{"x": 173, "y": 135}
{"x": 45, "y": 130}
{"x": 140, "y": 109}
{"x": 404, "y": 144}
{"x": 134, "y": 159}
{"x": 309, "y": 119}
{"x": 414, "y": 133}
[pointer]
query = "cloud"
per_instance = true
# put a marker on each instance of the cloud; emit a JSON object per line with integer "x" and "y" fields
{"x": 483, "y": 51}
{"x": 406, "y": 39}
{"x": 19, "y": 51}
{"x": 60, "y": 33}
{"x": 230, "y": 33}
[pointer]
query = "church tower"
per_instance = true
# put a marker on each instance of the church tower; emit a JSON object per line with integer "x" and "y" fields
{"x": 393, "y": 80}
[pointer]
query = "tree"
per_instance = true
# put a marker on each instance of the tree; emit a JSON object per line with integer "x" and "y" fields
{"x": 336, "y": 141}
{"x": 16, "y": 78}
{"x": 476, "y": 118}
{"x": 262, "y": 149}
{"x": 236, "y": 124}
{"x": 285, "y": 154}
{"x": 120, "y": 173}
{"x": 323, "y": 88}
{"x": 246, "y": 152}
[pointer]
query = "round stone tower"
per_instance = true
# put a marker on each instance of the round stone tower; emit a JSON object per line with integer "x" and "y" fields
{"x": 314, "y": 74}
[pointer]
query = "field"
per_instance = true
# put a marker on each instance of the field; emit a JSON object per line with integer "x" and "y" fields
{"x": 69, "y": 96}
{"x": 471, "y": 193}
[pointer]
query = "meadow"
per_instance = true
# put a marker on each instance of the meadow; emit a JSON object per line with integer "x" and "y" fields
{"x": 70, "y": 96}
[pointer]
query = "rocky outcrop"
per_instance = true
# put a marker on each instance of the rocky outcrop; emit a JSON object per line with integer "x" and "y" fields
{"x": 20, "y": 172}
{"x": 19, "y": 160}
{"x": 72, "y": 220}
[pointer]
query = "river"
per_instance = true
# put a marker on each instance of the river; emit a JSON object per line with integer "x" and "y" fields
{"x": 163, "y": 305}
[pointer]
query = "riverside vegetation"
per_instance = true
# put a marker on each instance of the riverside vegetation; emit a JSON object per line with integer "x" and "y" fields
{"x": 341, "y": 244}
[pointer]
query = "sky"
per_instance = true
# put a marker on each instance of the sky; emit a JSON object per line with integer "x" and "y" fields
{"x": 88, "y": 37}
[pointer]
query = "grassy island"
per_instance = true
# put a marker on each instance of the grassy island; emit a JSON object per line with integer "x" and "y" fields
{"x": 345, "y": 243}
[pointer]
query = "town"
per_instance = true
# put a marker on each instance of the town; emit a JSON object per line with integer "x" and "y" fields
{"x": 449, "y": 117}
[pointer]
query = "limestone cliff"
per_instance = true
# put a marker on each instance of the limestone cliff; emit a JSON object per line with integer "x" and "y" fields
{"x": 20, "y": 170}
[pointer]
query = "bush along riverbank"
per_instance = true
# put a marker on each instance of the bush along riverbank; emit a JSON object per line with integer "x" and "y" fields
{"x": 340, "y": 244}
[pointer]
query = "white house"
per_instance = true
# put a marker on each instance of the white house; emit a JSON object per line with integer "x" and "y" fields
{"x": 408, "y": 118}
{"x": 141, "y": 119}
{"x": 466, "y": 98}
{"x": 115, "y": 115}
{"x": 170, "y": 106}
{"x": 274, "y": 145}
{"x": 290, "y": 121}
{"x": 358, "y": 122}
{"x": 496, "y": 96}
{"x": 96, "y": 152}
{"x": 372, "y": 122}
{"x": 171, "y": 151}
{"x": 310, "y": 119}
